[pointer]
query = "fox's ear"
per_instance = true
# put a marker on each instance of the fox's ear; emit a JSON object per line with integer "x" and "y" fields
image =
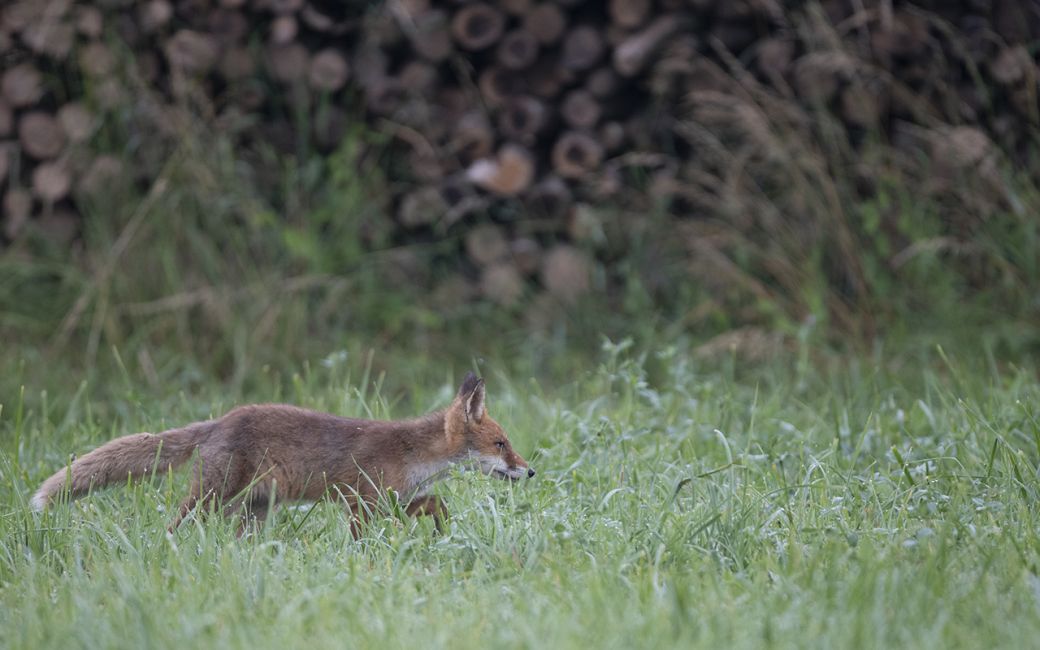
{"x": 473, "y": 398}
{"x": 468, "y": 384}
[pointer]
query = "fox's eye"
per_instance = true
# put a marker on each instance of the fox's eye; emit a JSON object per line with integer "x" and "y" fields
{"x": 501, "y": 444}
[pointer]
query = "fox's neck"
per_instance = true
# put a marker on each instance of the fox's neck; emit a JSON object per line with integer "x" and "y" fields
{"x": 431, "y": 453}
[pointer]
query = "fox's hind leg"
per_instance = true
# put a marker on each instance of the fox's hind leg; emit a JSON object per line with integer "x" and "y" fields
{"x": 206, "y": 484}
{"x": 252, "y": 512}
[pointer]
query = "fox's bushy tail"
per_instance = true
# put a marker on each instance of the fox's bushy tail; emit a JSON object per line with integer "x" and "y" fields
{"x": 131, "y": 456}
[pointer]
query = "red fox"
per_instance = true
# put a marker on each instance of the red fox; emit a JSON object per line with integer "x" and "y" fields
{"x": 247, "y": 455}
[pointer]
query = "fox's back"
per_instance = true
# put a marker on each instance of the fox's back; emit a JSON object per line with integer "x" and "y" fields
{"x": 307, "y": 451}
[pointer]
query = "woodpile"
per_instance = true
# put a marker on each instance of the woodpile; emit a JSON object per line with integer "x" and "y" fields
{"x": 513, "y": 113}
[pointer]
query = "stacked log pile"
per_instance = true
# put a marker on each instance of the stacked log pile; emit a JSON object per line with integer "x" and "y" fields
{"x": 521, "y": 111}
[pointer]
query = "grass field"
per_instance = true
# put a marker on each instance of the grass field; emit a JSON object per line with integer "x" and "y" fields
{"x": 885, "y": 502}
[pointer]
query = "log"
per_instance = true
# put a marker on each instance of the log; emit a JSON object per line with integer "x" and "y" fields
{"x": 52, "y": 38}
{"x": 420, "y": 78}
{"x": 371, "y": 66}
{"x": 110, "y": 93}
{"x": 862, "y": 104}
{"x": 576, "y": 154}
{"x": 59, "y": 226}
{"x": 6, "y": 122}
{"x": 818, "y": 75}
{"x": 550, "y": 198}
{"x": 477, "y": 26}
{"x": 386, "y": 96}
{"x": 509, "y": 173}
{"x": 472, "y": 137}
{"x": 526, "y": 254}
{"x": 906, "y": 36}
{"x": 5, "y": 163}
{"x": 496, "y": 84}
{"x": 191, "y": 52}
{"x": 51, "y": 182}
{"x": 631, "y": 56}
{"x": 603, "y": 82}
{"x": 21, "y": 86}
{"x": 40, "y": 135}
{"x": 288, "y": 64}
{"x": 409, "y": 9}
{"x": 284, "y": 6}
{"x": 229, "y": 28}
{"x": 17, "y": 205}
{"x": 502, "y": 283}
{"x": 247, "y": 94}
{"x": 1011, "y": 65}
{"x": 237, "y": 63}
{"x": 284, "y": 30}
{"x": 96, "y": 60}
{"x": 547, "y": 79}
{"x": 522, "y": 118}
{"x": 104, "y": 172}
{"x": 734, "y": 35}
{"x": 322, "y": 22}
{"x": 328, "y": 71}
{"x": 517, "y": 50}
{"x": 485, "y": 245}
{"x": 546, "y": 21}
{"x": 566, "y": 273}
{"x": 421, "y": 207}
{"x": 426, "y": 165}
{"x": 583, "y": 47}
{"x": 774, "y": 57}
{"x": 612, "y": 136}
{"x": 629, "y": 14}
{"x": 154, "y": 15}
{"x": 89, "y": 21}
{"x": 76, "y": 121}
{"x": 431, "y": 35}
{"x": 515, "y": 7}
{"x": 20, "y": 14}
{"x": 580, "y": 110}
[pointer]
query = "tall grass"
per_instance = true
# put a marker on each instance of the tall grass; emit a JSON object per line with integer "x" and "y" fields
{"x": 676, "y": 505}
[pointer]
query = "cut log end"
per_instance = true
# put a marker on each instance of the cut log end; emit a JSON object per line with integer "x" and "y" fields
{"x": 576, "y": 154}
{"x": 40, "y": 135}
{"x": 509, "y": 173}
{"x": 477, "y": 26}
{"x": 486, "y": 245}
{"x": 580, "y": 110}
{"x": 51, "y": 182}
{"x": 582, "y": 48}
{"x": 21, "y": 85}
{"x": 517, "y": 50}
{"x": 566, "y": 273}
{"x": 328, "y": 71}
{"x": 522, "y": 118}
{"x": 546, "y": 21}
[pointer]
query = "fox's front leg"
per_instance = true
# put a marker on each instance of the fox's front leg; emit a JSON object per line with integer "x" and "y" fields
{"x": 429, "y": 505}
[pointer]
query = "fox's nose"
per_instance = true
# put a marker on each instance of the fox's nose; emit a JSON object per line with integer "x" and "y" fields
{"x": 530, "y": 472}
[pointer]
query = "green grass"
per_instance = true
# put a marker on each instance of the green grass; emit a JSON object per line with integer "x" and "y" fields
{"x": 881, "y": 503}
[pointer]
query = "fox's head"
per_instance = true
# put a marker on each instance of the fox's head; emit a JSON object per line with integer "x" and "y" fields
{"x": 478, "y": 437}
